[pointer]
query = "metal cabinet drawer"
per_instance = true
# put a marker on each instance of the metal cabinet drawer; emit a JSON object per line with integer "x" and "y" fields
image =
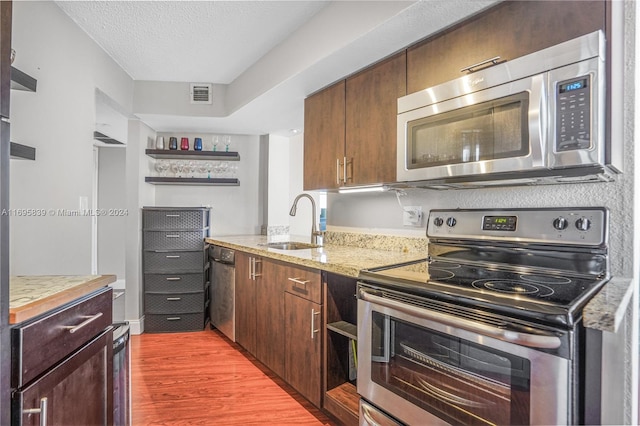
{"x": 174, "y": 240}
{"x": 154, "y": 323}
{"x": 175, "y": 219}
{"x": 304, "y": 283}
{"x": 173, "y": 283}
{"x": 174, "y": 261}
{"x": 169, "y": 303}
{"x": 41, "y": 343}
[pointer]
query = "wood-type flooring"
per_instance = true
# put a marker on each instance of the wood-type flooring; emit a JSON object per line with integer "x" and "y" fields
{"x": 201, "y": 378}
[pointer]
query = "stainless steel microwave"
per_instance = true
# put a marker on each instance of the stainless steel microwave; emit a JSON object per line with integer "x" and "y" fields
{"x": 536, "y": 119}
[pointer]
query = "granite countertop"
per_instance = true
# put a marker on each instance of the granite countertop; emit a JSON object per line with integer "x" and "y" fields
{"x": 32, "y": 295}
{"x": 340, "y": 259}
{"x": 606, "y": 309}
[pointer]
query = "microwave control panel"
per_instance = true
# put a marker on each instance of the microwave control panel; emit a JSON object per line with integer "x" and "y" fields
{"x": 573, "y": 114}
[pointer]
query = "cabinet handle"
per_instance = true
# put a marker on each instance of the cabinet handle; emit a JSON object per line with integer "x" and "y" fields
{"x": 338, "y": 171}
{"x": 299, "y": 281}
{"x": 486, "y": 61}
{"x": 42, "y": 411}
{"x": 175, "y": 256}
{"x": 173, "y": 319}
{"x": 255, "y": 261}
{"x": 174, "y": 278}
{"x": 88, "y": 320}
{"x": 314, "y": 330}
{"x": 251, "y": 268}
{"x": 344, "y": 170}
{"x": 174, "y": 298}
{"x": 172, "y": 236}
{"x": 173, "y": 215}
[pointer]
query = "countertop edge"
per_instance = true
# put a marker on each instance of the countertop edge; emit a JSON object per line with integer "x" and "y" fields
{"x": 606, "y": 310}
{"x": 37, "y": 307}
{"x": 290, "y": 258}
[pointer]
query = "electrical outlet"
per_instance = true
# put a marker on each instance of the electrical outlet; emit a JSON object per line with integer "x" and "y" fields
{"x": 412, "y": 216}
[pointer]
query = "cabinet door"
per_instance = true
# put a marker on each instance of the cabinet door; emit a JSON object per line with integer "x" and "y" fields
{"x": 324, "y": 138}
{"x": 270, "y": 316}
{"x": 245, "y": 304}
{"x": 371, "y": 121}
{"x": 303, "y": 353}
{"x": 509, "y": 30}
{"x": 78, "y": 391}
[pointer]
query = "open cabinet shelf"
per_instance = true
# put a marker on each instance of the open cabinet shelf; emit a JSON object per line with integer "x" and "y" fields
{"x": 176, "y": 154}
{"x": 159, "y": 180}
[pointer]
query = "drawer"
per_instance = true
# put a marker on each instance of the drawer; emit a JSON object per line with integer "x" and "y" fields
{"x": 61, "y": 332}
{"x": 174, "y": 261}
{"x": 173, "y": 283}
{"x": 175, "y": 219}
{"x": 170, "y": 303}
{"x": 304, "y": 283}
{"x": 174, "y": 240}
{"x": 154, "y": 323}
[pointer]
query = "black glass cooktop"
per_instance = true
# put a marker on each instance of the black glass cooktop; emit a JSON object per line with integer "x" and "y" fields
{"x": 526, "y": 292}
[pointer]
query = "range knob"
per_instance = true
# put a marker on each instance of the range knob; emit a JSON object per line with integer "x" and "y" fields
{"x": 438, "y": 221}
{"x": 560, "y": 223}
{"x": 583, "y": 224}
{"x": 451, "y": 222}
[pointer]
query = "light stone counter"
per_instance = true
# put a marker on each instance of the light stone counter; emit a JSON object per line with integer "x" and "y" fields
{"x": 33, "y": 295}
{"x": 337, "y": 258}
{"x": 606, "y": 310}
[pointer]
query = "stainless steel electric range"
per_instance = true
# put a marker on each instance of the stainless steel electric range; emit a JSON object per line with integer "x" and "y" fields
{"x": 487, "y": 329}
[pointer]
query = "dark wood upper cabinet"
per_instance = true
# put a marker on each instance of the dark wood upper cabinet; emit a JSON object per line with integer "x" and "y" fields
{"x": 354, "y": 122}
{"x": 509, "y": 30}
{"x": 371, "y": 110}
{"x": 5, "y": 54}
{"x": 324, "y": 137}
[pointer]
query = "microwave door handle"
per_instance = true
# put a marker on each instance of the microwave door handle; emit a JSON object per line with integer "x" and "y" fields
{"x": 537, "y": 117}
{"x": 511, "y": 336}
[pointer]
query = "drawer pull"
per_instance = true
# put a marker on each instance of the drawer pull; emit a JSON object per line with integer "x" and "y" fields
{"x": 175, "y": 256}
{"x": 173, "y": 319}
{"x": 173, "y": 215}
{"x": 172, "y": 236}
{"x": 470, "y": 68}
{"x": 42, "y": 411}
{"x": 174, "y": 278}
{"x": 299, "y": 281}
{"x": 88, "y": 320}
{"x": 174, "y": 298}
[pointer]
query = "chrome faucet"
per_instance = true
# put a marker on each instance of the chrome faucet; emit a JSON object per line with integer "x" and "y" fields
{"x": 314, "y": 231}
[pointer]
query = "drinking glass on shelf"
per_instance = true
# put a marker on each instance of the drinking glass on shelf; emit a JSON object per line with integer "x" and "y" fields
{"x": 216, "y": 141}
{"x": 202, "y": 169}
{"x": 227, "y": 141}
{"x": 174, "y": 168}
{"x": 159, "y": 166}
{"x": 181, "y": 167}
{"x": 208, "y": 167}
{"x": 191, "y": 165}
{"x": 224, "y": 168}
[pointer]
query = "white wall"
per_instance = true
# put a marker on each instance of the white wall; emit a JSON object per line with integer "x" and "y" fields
{"x": 278, "y": 184}
{"x": 300, "y": 224}
{"x": 58, "y": 120}
{"x": 235, "y": 209}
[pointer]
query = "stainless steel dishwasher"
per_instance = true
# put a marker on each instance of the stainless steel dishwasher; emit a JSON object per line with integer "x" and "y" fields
{"x": 222, "y": 308}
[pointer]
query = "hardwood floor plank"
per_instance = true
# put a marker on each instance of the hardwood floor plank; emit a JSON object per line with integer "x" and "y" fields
{"x": 201, "y": 378}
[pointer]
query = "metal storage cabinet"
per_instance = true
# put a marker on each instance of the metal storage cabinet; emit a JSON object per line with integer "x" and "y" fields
{"x": 175, "y": 263}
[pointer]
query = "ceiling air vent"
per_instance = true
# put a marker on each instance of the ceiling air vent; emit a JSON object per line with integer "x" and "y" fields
{"x": 200, "y": 93}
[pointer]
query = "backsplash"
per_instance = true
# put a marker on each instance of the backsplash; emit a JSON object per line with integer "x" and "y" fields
{"x": 378, "y": 242}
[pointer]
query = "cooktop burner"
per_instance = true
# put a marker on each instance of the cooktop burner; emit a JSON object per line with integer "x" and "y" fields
{"x": 513, "y": 286}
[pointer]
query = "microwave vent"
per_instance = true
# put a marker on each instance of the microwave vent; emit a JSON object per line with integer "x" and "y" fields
{"x": 200, "y": 93}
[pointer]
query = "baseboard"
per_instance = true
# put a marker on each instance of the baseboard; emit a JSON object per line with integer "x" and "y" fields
{"x": 136, "y": 326}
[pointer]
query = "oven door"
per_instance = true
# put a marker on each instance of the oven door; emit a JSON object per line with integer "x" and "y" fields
{"x": 499, "y": 129}
{"x": 426, "y": 367}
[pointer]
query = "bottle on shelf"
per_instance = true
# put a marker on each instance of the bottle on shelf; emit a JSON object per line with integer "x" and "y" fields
{"x": 197, "y": 144}
{"x": 160, "y": 142}
{"x": 184, "y": 144}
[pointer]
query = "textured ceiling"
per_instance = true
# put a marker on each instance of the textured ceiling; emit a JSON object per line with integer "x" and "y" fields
{"x": 189, "y": 41}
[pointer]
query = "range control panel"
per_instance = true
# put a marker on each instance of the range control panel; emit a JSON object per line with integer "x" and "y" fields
{"x": 573, "y": 226}
{"x": 573, "y": 117}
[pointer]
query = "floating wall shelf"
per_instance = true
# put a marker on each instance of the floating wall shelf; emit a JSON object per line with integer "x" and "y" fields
{"x": 193, "y": 155}
{"x": 22, "y": 81}
{"x": 22, "y": 152}
{"x": 160, "y": 180}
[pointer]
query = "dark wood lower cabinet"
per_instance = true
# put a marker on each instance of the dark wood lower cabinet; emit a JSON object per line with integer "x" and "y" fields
{"x": 303, "y": 347}
{"x": 78, "y": 391}
{"x": 270, "y": 316}
{"x": 245, "y": 303}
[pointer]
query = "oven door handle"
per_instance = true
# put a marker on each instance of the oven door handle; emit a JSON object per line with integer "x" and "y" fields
{"x": 541, "y": 341}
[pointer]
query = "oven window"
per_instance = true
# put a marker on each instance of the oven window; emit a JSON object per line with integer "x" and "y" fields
{"x": 459, "y": 381}
{"x": 485, "y": 131}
